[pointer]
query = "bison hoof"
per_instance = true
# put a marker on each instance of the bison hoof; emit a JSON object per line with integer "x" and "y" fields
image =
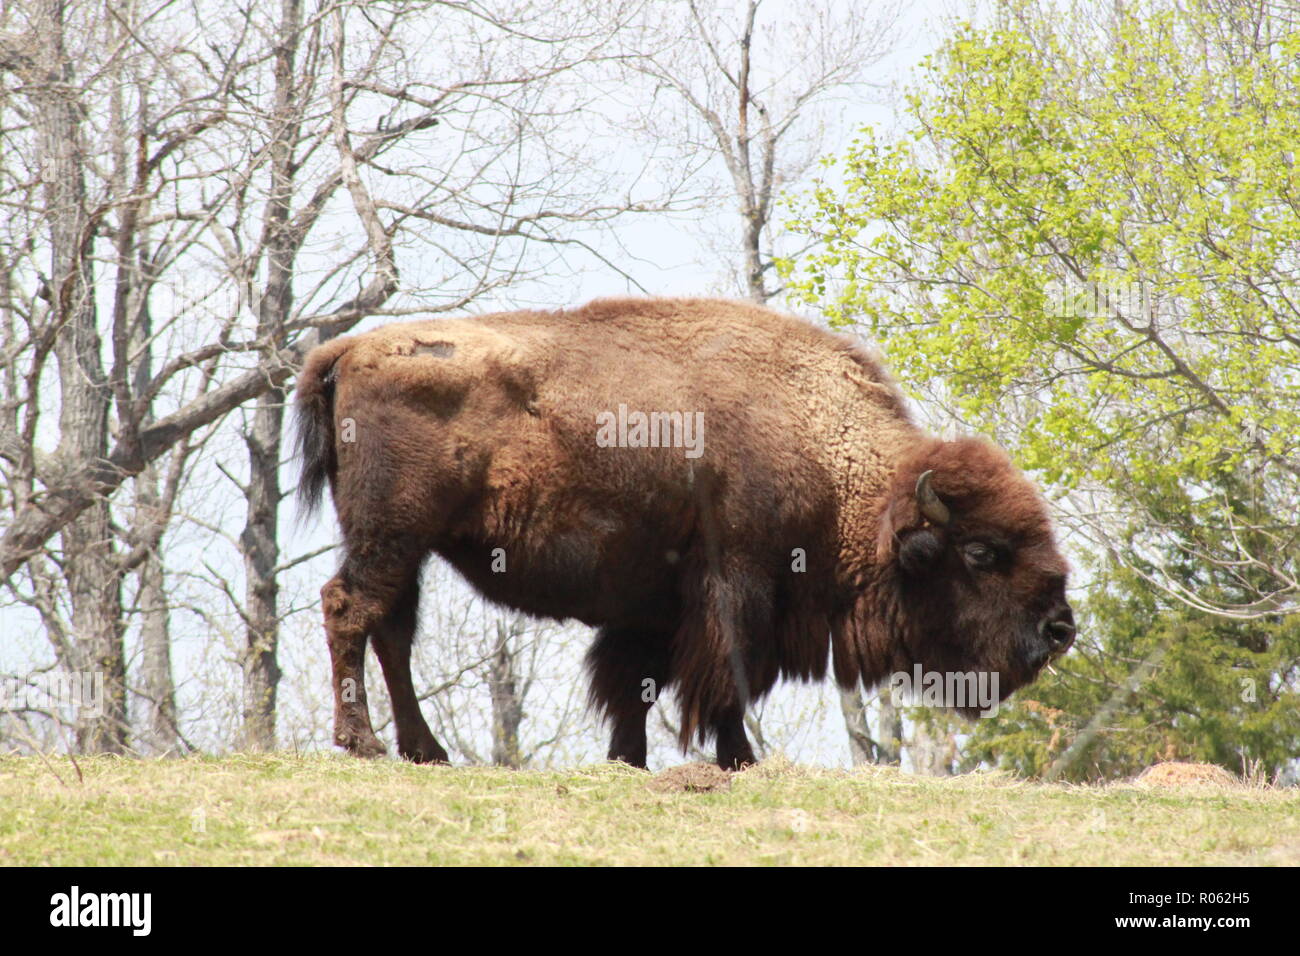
{"x": 736, "y": 761}
{"x": 361, "y": 746}
{"x": 425, "y": 753}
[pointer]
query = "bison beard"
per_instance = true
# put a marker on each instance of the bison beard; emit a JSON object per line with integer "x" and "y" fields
{"x": 817, "y": 523}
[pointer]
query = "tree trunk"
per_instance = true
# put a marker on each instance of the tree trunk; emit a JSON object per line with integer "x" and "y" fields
{"x": 933, "y": 750}
{"x": 507, "y": 698}
{"x": 889, "y": 731}
{"x": 260, "y": 539}
{"x": 159, "y": 719}
{"x": 261, "y": 553}
{"x": 751, "y": 242}
{"x": 89, "y": 556}
{"x": 862, "y": 749}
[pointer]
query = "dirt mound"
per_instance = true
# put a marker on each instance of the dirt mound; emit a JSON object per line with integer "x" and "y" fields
{"x": 1175, "y": 774}
{"x": 691, "y": 778}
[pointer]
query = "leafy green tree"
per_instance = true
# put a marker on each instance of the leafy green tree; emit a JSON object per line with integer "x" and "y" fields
{"x": 1148, "y": 683}
{"x": 1089, "y": 246}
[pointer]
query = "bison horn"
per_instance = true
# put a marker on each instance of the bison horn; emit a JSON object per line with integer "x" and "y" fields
{"x": 931, "y": 505}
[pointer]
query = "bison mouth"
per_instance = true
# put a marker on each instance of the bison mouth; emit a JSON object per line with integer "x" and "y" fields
{"x": 1039, "y": 645}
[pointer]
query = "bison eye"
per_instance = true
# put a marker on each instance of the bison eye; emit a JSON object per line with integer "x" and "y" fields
{"x": 980, "y": 555}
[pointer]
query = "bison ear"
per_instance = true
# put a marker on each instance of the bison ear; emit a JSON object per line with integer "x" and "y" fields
{"x": 916, "y": 549}
{"x": 919, "y": 551}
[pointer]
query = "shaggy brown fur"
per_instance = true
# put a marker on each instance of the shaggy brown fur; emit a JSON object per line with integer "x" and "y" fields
{"x": 796, "y": 536}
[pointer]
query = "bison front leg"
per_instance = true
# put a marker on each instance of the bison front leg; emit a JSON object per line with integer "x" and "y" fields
{"x": 727, "y": 611}
{"x": 734, "y": 751}
{"x": 629, "y": 669}
{"x": 393, "y": 640}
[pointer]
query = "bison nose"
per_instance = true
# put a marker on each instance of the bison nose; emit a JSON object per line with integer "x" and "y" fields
{"x": 1036, "y": 656}
{"x": 1058, "y": 630}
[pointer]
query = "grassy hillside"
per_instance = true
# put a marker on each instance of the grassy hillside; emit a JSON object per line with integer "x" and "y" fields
{"x": 330, "y": 809}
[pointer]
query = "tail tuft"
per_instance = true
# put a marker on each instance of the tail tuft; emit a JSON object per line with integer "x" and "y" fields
{"x": 315, "y": 413}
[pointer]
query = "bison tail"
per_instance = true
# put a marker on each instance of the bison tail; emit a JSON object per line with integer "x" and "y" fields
{"x": 315, "y": 413}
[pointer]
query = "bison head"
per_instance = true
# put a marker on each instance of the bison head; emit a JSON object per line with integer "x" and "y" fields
{"x": 980, "y": 582}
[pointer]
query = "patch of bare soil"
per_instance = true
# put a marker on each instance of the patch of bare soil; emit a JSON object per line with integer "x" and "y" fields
{"x": 691, "y": 778}
{"x": 1175, "y": 775}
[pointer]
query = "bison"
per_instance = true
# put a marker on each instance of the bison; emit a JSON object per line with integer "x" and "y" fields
{"x": 729, "y": 495}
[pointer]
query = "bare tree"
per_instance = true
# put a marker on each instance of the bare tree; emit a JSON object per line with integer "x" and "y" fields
{"x": 262, "y": 493}
{"x": 753, "y": 95}
{"x": 196, "y": 140}
{"x": 244, "y": 184}
{"x": 43, "y": 62}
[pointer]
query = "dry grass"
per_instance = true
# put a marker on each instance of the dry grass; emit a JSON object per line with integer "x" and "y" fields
{"x": 282, "y": 809}
{"x": 1178, "y": 775}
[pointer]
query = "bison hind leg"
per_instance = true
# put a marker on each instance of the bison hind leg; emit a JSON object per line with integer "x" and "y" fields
{"x": 355, "y": 603}
{"x": 393, "y": 640}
